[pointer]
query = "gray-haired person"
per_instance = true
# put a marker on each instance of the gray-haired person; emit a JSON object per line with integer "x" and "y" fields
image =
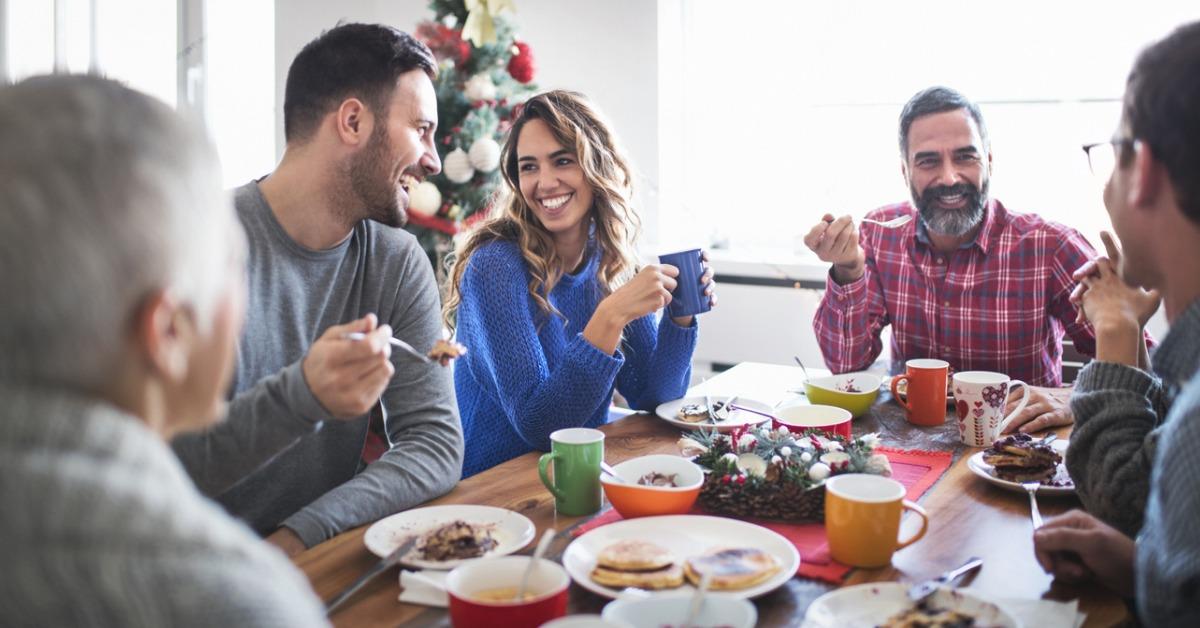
{"x": 123, "y": 295}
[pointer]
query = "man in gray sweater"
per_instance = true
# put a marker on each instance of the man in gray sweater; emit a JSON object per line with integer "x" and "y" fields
{"x": 120, "y": 270}
{"x": 327, "y": 258}
{"x": 1130, "y": 419}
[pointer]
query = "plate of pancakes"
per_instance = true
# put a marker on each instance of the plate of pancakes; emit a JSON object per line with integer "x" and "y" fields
{"x": 1019, "y": 458}
{"x": 673, "y": 553}
{"x": 689, "y": 413}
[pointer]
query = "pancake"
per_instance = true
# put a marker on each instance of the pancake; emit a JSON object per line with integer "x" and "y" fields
{"x": 1020, "y": 458}
{"x": 668, "y": 577}
{"x": 731, "y": 568}
{"x": 633, "y": 555}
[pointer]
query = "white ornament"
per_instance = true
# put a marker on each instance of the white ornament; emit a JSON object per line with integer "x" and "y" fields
{"x": 870, "y": 441}
{"x": 805, "y": 457}
{"x": 786, "y": 452}
{"x": 485, "y": 154}
{"x": 783, "y": 430}
{"x": 879, "y": 465}
{"x": 479, "y": 87}
{"x": 752, "y": 464}
{"x": 776, "y": 460}
{"x": 747, "y": 441}
{"x": 818, "y": 471}
{"x": 457, "y": 166}
{"x": 424, "y": 199}
{"x": 730, "y": 457}
{"x": 764, "y": 432}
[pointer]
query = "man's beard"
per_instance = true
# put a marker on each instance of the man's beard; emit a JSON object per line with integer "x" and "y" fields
{"x": 373, "y": 186}
{"x": 951, "y": 222}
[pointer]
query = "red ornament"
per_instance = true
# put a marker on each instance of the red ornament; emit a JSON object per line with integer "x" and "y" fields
{"x": 521, "y": 65}
{"x": 741, "y": 479}
{"x": 725, "y": 479}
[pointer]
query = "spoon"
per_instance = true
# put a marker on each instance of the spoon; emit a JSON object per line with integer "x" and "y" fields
{"x": 752, "y": 411}
{"x": 697, "y": 600}
{"x": 542, "y": 545}
{"x": 797, "y": 359}
{"x": 612, "y": 473}
{"x": 898, "y": 221}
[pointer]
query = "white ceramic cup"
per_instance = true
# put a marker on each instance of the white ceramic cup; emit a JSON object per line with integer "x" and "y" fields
{"x": 979, "y": 398}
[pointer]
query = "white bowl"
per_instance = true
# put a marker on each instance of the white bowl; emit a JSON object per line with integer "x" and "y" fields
{"x": 671, "y": 609}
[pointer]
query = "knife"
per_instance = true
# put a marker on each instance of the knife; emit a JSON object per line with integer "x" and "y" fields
{"x": 390, "y": 560}
{"x": 918, "y": 592}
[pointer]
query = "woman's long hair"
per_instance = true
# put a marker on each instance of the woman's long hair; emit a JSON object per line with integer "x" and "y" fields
{"x": 616, "y": 224}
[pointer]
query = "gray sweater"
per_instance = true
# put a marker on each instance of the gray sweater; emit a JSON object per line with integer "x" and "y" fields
{"x": 100, "y": 526}
{"x": 1135, "y": 447}
{"x": 280, "y": 458}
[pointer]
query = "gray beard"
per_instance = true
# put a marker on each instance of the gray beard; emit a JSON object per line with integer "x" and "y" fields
{"x": 952, "y": 222}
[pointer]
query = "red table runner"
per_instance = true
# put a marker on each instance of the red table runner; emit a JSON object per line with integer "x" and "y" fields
{"x": 917, "y": 470}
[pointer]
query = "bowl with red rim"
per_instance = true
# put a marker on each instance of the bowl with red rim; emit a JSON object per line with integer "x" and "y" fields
{"x": 482, "y": 593}
{"x": 798, "y": 418}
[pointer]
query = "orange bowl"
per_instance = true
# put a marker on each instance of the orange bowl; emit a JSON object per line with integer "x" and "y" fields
{"x": 636, "y": 500}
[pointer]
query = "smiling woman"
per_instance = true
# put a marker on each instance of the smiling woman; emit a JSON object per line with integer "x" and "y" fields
{"x": 546, "y": 294}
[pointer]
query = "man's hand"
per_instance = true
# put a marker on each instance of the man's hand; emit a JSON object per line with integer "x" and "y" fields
{"x": 286, "y": 540}
{"x": 836, "y": 242}
{"x": 1077, "y": 547}
{"x": 1112, "y": 302}
{"x": 1044, "y": 410}
{"x": 348, "y": 376}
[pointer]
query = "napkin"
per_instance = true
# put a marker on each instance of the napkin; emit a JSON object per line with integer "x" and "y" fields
{"x": 1044, "y": 613}
{"x": 427, "y": 588}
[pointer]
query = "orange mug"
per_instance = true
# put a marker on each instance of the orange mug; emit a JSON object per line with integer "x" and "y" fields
{"x": 862, "y": 519}
{"x": 925, "y": 396}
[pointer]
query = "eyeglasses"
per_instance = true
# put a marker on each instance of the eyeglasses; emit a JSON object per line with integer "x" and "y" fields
{"x": 1102, "y": 156}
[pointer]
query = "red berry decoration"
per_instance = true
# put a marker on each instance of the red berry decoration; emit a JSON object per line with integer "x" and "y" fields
{"x": 741, "y": 479}
{"x": 725, "y": 479}
{"x": 521, "y": 65}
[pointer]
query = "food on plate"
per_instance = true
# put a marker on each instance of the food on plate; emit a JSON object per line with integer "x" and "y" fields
{"x": 1020, "y": 458}
{"x": 641, "y": 564}
{"x": 731, "y": 568}
{"x": 456, "y": 540}
{"x": 925, "y": 615}
{"x": 693, "y": 413}
{"x": 445, "y": 350}
{"x": 654, "y": 478}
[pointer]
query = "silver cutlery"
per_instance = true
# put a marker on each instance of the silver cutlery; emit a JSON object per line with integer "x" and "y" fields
{"x": 1032, "y": 488}
{"x": 898, "y": 221}
{"x": 751, "y": 411}
{"x": 797, "y": 359}
{"x": 920, "y": 591}
{"x": 723, "y": 413}
{"x": 697, "y": 601}
{"x": 395, "y": 342}
{"x": 390, "y": 560}
{"x": 534, "y": 561}
{"x": 612, "y": 473}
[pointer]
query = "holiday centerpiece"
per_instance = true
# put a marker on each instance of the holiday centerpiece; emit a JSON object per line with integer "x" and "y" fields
{"x": 485, "y": 71}
{"x": 776, "y": 474}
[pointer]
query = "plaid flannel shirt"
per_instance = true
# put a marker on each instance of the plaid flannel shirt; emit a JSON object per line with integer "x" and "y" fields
{"x": 998, "y": 303}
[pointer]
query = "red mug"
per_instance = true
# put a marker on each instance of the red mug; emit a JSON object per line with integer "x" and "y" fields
{"x": 925, "y": 395}
{"x": 829, "y": 419}
{"x": 467, "y": 587}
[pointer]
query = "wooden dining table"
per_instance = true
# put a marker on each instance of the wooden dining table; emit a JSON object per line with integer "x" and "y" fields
{"x": 968, "y": 517}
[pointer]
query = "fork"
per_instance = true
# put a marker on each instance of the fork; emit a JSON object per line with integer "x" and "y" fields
{"x": 395, "y": 342}
{"x": 1032, "y": 489}
{"x": 898, "y": 221}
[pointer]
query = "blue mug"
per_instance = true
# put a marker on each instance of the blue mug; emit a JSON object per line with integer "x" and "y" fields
{"x": 688, "y": 297}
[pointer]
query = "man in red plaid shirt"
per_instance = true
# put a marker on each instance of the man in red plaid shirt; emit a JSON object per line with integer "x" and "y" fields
{"x": 968, "y": 281}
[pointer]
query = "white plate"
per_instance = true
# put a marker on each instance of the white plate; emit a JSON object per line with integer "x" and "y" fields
{"x": 869, "y": 605}
{"x": 511, "y": 530}
{"x": 684, "y": 536}
{"x": 669, "y": 412}
{"x": 984, "y": 470}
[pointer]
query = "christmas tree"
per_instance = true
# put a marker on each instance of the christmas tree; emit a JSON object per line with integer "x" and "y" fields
{"x": 484, "y": 72}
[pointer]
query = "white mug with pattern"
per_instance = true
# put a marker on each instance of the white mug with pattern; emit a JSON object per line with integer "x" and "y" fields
{"x": 979, "y": 398}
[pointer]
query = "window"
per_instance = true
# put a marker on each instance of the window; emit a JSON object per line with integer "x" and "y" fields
{"x": 774, "y": 113}
{"x": 137, "y": 42}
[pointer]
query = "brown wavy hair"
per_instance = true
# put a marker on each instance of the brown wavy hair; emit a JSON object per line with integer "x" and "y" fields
{"x": 576, "y": 124}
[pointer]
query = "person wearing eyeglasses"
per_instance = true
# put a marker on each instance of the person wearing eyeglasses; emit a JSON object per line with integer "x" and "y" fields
{"x": 1148, "y": 421}
{"x": 966, "y": 280}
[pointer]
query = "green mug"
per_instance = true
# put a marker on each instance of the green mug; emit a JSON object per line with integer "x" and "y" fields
{"x": 576, "y": 453}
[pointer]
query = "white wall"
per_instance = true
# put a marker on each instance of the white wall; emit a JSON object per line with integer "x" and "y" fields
{"x": 606, "y": 50}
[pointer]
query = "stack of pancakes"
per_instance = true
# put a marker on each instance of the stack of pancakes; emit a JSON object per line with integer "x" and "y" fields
{"x": 638, "y": 564}
{"x": 456, "y": 540}
{"x": 731, "y": 568}
{"x": 1019, "y": 458}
